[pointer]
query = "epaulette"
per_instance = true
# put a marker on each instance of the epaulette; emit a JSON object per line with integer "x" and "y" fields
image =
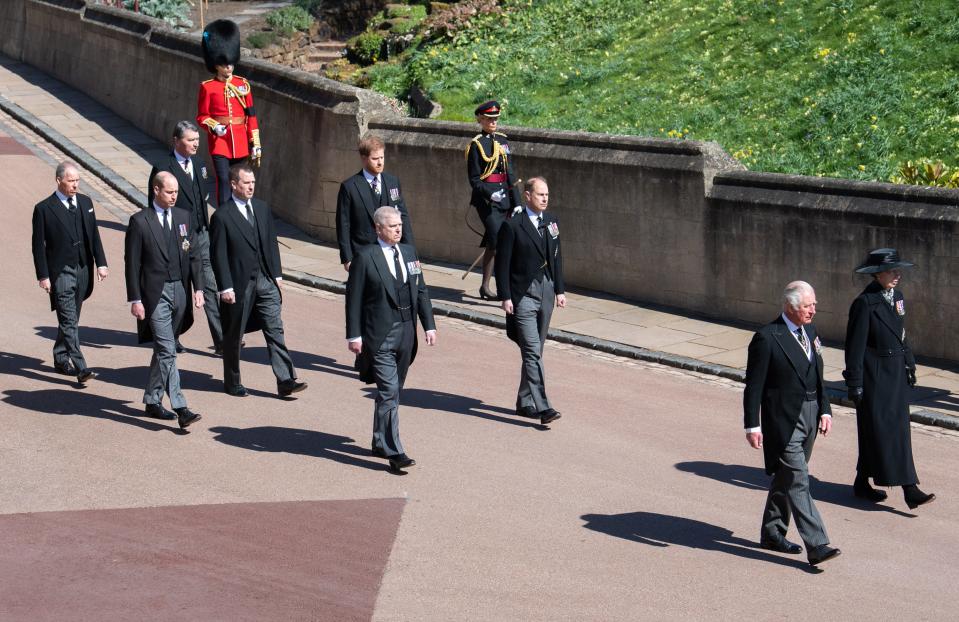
{"x": 500, "y": 134}
{"x": 210, "y": 80}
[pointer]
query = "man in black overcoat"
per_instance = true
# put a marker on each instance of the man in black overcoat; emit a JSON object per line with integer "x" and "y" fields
{"x": 784, "y": 406}
{"x": 361, "y": 195}
{"x": 385, "y": 294}
{"x": 66, "y": 248}
{"x": 880, "y": 368}
{"x": 194, "y": 192}
{"x": 529, "y": 281}
{"x": 162, "y": 268}
{"x": 246, "y": 262}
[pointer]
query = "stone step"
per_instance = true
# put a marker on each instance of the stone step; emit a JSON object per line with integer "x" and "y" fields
{"x": 323, "y": 57}
{"x": 334, "y": 46}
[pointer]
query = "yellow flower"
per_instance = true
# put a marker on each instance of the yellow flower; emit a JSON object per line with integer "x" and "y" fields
{"x": 861, "y": 167}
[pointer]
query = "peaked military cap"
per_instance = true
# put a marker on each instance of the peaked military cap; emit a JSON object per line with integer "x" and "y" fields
{"x": 488, "y": 109}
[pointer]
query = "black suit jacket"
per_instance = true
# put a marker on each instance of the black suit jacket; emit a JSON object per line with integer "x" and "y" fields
{"x": 233, "y": 250}
{"x": 54, "y": 237}
{"x": 355, "y": 205}
{"x": 776, "y": 388}
{"x": 193, "y": 195}
{"x": 371, "y": 300}
{"x": 519, "y": 256}
{"x": 147, "y": 259}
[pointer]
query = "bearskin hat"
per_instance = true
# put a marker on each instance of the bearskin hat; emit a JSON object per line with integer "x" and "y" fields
{"x": 221, "y": 44}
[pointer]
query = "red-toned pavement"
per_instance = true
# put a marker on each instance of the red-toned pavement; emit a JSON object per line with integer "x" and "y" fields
{"x": 641, "y": 503}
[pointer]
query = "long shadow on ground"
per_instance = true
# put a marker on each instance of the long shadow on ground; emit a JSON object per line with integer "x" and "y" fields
{"x": 93, "y": 337}
{"x": 294, "y": 441}
{"x": 755, "y": 478}
{"x": 80, "y": 403}
{"x": 663, "y": 530}
{"x": 459, "y": 405}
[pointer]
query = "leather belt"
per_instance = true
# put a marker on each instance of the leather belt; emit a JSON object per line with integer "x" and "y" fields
{"x": 230, "y": 120}
{"x": 496, "y": 178}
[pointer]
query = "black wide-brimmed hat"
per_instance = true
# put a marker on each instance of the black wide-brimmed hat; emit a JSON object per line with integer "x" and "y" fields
{"x": 882, "y": 259}
{"x": 488, "y": 109}
{"x": 221, "y": 44}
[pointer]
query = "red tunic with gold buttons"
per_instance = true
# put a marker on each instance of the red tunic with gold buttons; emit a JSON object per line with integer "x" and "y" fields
{"x": 229, "y": 104}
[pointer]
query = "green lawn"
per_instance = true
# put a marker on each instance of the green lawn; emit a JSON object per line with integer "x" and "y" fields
{"x": 839, "y": 88}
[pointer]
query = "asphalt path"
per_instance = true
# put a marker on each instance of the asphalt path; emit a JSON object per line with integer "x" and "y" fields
{"x": 642, "y": 502}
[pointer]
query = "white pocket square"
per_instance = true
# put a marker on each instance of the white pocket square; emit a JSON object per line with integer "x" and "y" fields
{"x": 90, "y": 210}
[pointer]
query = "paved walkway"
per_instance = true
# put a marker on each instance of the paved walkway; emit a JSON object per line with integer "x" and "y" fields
{"x": 121, "y": 155}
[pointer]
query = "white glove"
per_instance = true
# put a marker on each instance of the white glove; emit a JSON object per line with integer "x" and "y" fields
{"x": 257, "y": 152}
{"x": 497, "y": 196}
{"x": 517, "y": 209}
{"x": 220, "y": 130}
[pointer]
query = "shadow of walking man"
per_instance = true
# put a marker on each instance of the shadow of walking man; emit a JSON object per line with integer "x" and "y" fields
{"x": 78, "y": 403}
{"x": 295, "y": 441}
{"x": 663, "y": 530}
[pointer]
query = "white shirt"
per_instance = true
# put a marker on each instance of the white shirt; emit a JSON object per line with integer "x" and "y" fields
{"x": 792, "y": 331}
{"x": 534, "y": 217}
{"x": 370, "y": 177}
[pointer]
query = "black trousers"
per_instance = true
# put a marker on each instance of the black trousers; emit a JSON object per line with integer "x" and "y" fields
{"x": 221, "y": 169}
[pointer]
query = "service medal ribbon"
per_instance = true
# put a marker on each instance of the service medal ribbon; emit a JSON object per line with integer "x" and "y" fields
{"x": 413, "y": 267}
{"x": 818, "y": 345}
{"x": 243, "y": 89}
{"x": 183, "y": 231}
{"x": 186, "y": 245}
{"x": 203, "y": 171}
{"x": 505, "y": 148}
{"x": 394, "y": 194}
{"x": 901, "y": 307}
{"x": 553, "y": 229}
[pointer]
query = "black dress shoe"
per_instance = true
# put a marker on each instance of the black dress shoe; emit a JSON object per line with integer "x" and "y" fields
{"x": 377, "y": 452}
{"x": 85, "y": 374}
{"x": 485, "y": 294}
{"x": 218, "y": 351}
{"x": 863, "y": 490}
{"x": 822, "y": 553}
{"x": 66, "y": 369}
{"x": 179, "y": 347}
{"x": 288, "y": 387}
{"x": 158, "y": 412}
{"x": 915, "y": 497}
{"x": 401, "y": 461}
{"x": 526, "y": 411}
{"x": 548, "y": 416}
{"x": 780, "y": 545}
{"x": 237, "y": 391}
{"x": 185, "y": 417}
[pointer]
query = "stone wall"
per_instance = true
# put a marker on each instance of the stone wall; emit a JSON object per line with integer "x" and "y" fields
{"x": 675, "y": 223}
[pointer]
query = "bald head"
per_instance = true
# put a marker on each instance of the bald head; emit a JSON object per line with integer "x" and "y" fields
{"x": 165, "y": 189}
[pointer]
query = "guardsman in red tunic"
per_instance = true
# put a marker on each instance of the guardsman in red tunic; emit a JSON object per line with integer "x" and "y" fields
{"x": 225, "y": 105}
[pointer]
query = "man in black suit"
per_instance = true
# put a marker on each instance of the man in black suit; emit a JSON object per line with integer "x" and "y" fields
{"x": 361, "y": 195}
{"x": 784, "y": 405}
{"x": 529, "y": 280}
{"x": 192, "y": 179}
{"x": 162, "y": 264}
{"x": 385, "y": 294}
{"x": 66, "y": 246}
{"x": 246, "y": 262}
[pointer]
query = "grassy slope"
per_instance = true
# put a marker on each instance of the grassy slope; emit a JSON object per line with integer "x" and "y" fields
{"x": 823, "y": 87}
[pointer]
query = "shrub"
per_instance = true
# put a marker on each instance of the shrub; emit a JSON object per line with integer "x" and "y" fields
{"x": 365, "y": 48}
{"x": 927, "y": 173}
{"x": 176, "y": 13}
{"x": 313, "y": 7}
{"x": 289, "y": 19}
{"x": 260, "y": 40}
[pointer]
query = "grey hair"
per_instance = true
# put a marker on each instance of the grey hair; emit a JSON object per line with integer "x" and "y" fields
{"x": 793, "y": 293}
{"x": 379, "y": 216}
{"x": 183, "y": 127}
{"x": 65, "y": 166}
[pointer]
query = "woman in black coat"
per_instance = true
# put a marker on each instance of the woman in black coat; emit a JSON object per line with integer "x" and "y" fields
{"x": 880, "y": 368}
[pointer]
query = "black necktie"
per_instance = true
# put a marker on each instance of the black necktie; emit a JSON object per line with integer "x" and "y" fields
{"x": 186, "y": 169}
{"x": 166, "y": 221}
{"x": 248, "y": 212}
{"x": 375, "y": 185}
{"x": 70, "y": 205}
{"x": 802, "y": 339}
{"x": 539, "y": 225}
{"x": 396, "y": 267}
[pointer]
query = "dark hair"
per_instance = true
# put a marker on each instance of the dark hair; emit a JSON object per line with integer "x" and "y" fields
{"x": 183, "y": 127}
{"x": 240, "y": 167}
